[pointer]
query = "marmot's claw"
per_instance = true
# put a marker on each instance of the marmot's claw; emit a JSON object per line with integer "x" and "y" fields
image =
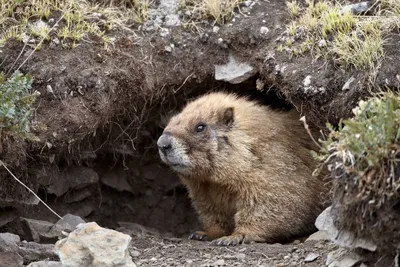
{"x": 198, "y": 236}
{"x": 231, "y": 240}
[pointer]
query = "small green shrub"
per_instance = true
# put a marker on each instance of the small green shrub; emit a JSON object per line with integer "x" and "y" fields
{"x": 363, "y": 155}
{"x": 16, "y": 105}
{"x": 367, "y": 148}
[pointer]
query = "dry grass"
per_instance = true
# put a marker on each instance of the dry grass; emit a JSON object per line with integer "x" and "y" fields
{"x": 353, "y": 41}
{"x": 221, "y": 11}
{"x": 29, "y": 20}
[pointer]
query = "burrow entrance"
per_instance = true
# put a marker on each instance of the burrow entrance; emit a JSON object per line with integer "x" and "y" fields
{"x": 138, "y": 189}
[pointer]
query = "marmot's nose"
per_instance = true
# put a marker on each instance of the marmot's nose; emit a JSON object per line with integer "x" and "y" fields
{"x": 164, "y": 143}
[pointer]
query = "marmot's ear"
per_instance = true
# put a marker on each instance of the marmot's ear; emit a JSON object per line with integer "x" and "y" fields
{"x": 228, "y": 116}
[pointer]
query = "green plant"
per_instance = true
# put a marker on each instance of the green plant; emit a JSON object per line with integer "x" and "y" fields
{"x": 293, "y": 8}
{"x": 367, "y": 146}
{"x": 16, "y": 105}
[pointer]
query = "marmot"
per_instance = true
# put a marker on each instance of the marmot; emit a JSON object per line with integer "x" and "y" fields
{"x": 248, "y": 169}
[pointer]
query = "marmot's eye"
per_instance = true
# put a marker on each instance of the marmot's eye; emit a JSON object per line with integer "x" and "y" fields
{"x": 200, "y": 127}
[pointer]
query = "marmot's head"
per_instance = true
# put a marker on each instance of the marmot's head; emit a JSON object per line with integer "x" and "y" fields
{"x": 193, "y": 138}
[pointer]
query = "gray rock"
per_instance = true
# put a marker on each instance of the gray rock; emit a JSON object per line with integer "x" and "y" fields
{"x": 10, "y": 259}
{"x": 59, "y": 182}
{"x": 357, "y": 8}
{"x": 84, "y": 210}
{"x": 91, "y": 245}
{"x": 346, "y": 86}
{"x": 264, "y": 30}
{"x": 342, "y": 238}
{"x": 117, "y": 180}
{"x": 311, "y": 257}
{"x": 342, "y": 258}
{"x": 322, "y": 43}
{"x": 130, "y": 228}
{"x": 9, "y": 242}
{"x": 234, "y": 72}
{"x": 67, "y": 224}
{"x": 31, "y": 251}
{"x": 45, "y": 264}
{"x": 36, "y": 229}
{"x": 317, "y": 236}
{"x": 77, "y": 196}
{"x": 7, "y": 217}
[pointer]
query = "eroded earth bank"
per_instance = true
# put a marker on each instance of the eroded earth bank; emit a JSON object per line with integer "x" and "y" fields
{"x": 103, "y": 100}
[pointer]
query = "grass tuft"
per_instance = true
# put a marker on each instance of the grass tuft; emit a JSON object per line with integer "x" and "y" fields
{"x": 29, "y": 21}
{"x": 353, "y": 41}
{"x": 221, "y": 11}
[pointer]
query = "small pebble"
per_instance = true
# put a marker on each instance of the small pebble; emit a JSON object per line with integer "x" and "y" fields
{"x": 311, "y": 257}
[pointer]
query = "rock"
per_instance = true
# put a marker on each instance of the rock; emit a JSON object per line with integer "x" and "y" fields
{"x": 136, "y": 229}
{"x": 322, "y": 43}
{"x": 342, "y": 258}
{"x": 84, "y": 210}
{"x": 264, "y": 30}
{"x": 219, "y": 263}
{"x": 31, "y": 251}
{"x": 59, "y": 182}
{"x": 91, "y": 245}
{"x": 346, "y": 86}
{"x": 36, "y": 229}
{"x": 77, "y": 196}
{"x": 7, "y": 217}
{"x": 358, "y": 8}
{"x": 10, "y": 259}
{"x": 9, "y": 242}
{"x": 318, "y": 236}
{"x": 234, "y": 72}
{"x": 342, "y": 238}
{"x": 216, "y": 29}
{"x": 67, "y": 224}
{"x": 42, "y": 231}
{"x": 45, "y": 264}
{"x": 311, "y": 257}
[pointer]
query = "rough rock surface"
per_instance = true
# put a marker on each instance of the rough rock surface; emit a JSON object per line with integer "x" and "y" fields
{"x": 10, "y": 259}
{"x": 9, "y": 242}
{"x": 92, "y": 245}
{"x": 343, "y": 238}
{"x": 234, "y": 72}
{"x": 31, "y": 251}
{"x": 45, "y": 264}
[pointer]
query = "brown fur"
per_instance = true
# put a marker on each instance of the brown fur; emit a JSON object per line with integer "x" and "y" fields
{"x": 249, "y": 173}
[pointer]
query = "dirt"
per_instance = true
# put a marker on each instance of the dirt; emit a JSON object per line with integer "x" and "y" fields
{"x": 105, "y": 108}
{"x": 158, "y": 251}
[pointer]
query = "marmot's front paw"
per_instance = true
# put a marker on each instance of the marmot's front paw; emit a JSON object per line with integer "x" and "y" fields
{"x": 199, "y": 235}
{"x": 230, "y": 240}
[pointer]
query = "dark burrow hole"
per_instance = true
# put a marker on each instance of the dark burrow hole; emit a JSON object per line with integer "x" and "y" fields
{"x": 150, "y": 194}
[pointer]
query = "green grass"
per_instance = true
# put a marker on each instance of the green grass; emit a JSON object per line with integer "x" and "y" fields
{"x": 351, "y": 41}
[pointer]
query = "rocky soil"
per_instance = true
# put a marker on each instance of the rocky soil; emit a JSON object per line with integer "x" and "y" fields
{"x": 103, "y": 109}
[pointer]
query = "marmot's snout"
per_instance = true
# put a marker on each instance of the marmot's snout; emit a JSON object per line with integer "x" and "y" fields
{"x": 173, "y": 152}
{"x": 164, "y": 143}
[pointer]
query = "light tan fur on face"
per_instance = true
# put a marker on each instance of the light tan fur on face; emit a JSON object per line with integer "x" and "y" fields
{"x": 249, "y": 174}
